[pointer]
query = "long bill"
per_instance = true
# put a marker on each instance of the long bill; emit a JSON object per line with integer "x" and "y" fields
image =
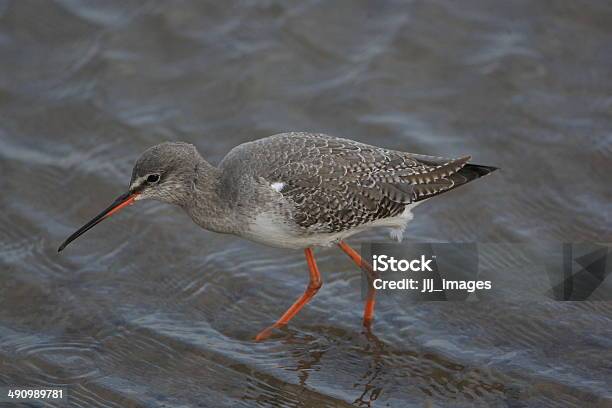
{"x": 121, "y": 202}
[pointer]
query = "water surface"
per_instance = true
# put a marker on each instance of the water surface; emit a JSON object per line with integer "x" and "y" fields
{"x": 148, "y": 310}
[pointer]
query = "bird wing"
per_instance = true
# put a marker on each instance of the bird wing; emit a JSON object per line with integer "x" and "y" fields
{"x": 336, "y": 184}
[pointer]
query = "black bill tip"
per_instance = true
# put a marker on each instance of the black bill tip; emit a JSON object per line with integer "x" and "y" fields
{"x": 122, "y": 201}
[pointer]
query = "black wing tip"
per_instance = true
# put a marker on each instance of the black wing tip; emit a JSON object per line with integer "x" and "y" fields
{"x": 480, "y": 169}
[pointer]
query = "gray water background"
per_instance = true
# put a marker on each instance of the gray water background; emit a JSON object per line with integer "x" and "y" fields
{"x": 148, "y": 310}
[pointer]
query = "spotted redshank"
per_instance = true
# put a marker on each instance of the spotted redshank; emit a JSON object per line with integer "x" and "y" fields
{"x": 294, "y": 190}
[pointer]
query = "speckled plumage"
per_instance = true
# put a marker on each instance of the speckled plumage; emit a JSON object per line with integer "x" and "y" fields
{"x": 294, "y": 190}
{"x": 299, "y": 189}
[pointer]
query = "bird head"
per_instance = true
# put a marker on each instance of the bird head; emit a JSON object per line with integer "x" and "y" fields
{"x": 164, "y": 172}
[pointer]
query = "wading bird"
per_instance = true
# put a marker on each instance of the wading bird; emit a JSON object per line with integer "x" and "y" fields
{"x": 294, "y": 190}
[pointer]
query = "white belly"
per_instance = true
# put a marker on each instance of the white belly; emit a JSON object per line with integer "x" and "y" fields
{"x": 271, "y": 230}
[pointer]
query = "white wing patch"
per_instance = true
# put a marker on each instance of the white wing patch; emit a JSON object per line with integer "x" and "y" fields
{"x": 278, "y": 186}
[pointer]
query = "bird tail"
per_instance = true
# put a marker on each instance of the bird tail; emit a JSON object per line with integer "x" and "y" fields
{"x": 474, "y": 171}
{"x": 464, "y": 175}
{"x": 470, "y": 172}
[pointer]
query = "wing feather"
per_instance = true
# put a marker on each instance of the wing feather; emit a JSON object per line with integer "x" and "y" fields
{"x": 336, "y": 184}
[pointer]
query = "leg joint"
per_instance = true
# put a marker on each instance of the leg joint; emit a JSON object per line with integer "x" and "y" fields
{"x": 315, "y": 284}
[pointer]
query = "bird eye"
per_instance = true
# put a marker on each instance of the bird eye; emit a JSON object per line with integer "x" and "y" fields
{"x": 153, "y": 178}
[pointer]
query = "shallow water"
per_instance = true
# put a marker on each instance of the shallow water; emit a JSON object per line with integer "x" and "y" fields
{"x": 148, "y": 310}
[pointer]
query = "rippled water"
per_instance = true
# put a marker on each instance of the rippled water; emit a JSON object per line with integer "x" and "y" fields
{"x": 148, "y": 310}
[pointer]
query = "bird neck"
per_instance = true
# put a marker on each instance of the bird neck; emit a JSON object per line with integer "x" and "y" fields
{"x": 206, "y": 206}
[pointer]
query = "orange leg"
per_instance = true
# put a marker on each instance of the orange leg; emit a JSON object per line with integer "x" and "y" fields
{"x": 313, "y": 287}
{"x": 368, "y": 311}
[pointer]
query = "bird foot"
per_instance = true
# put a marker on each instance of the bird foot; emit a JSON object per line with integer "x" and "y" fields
{"x": 265, "y": 333}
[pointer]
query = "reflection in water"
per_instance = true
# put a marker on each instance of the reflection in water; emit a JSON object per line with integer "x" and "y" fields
{"x": 370, "y": 391}
{"x": 151, "y": 311}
